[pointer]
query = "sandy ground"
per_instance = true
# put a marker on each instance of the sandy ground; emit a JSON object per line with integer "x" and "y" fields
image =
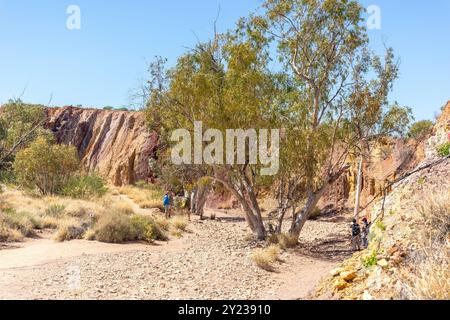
{"x": 212, "y": 261}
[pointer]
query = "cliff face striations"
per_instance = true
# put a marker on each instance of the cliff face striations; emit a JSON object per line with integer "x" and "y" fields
{"x": 116, "y": 144}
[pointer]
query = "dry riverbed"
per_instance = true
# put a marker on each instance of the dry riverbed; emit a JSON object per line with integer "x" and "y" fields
{"x": 212, "y": 261}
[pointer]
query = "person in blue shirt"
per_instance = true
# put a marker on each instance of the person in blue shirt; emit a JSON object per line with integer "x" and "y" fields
{"x": 166, "y": 203}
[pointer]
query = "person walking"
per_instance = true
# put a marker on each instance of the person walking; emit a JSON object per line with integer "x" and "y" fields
{"x": 356, "y": 236}
{"x": 365, "y": 233}
{"x": 166, "y": 204}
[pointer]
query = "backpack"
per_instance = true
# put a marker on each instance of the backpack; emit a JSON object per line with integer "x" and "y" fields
{"x": 356, "y": 230}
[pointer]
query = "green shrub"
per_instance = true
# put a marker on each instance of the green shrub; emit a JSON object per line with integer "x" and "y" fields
{"x": 45, "y": 166}
{"x": 114, "y": 227}
{"x": 21, "y": 221}
{"x": 444, "y": 150}
{"x": 143, "y": 228}
{"x": 70, "y": 230}
{"x": 180, "y": 223}
{"x": 84, "y": 186}
{"x": 370, "y": 260}
{"x": 420, "y": 129}
{"x": 381, "y": 225}
{"x": 55, "y": 210}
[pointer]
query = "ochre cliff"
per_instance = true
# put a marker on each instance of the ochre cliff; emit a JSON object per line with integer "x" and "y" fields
{"x": 116, "y": 144}
{"x": 388, "y": 163}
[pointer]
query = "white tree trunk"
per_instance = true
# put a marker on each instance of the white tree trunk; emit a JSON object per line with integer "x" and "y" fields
{"x": 358, "y": 188}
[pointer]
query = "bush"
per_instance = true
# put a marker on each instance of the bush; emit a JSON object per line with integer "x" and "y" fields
{"x": 70, "y": 230}
{"x": 55, "y": 210}
{"x": 45, "y": 166}
{"x": 285, "y": 241}
{"x": 420, "y": 129}
{"x": 84, "y": 186}
{"x": 180, "y": 223}
{"x": 265, "y": 257}
{"x": 114, "y": 227}
{"x": 8, "y": 234}
{"x": 143, "y": 228}
{"x": 444, "y": 150}
{"x": 21, "y": 221}
{"x": 122, "y": 207}
{"x": 370, "y": 260}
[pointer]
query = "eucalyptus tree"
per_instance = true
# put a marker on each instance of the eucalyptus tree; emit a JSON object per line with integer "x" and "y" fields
{"x": 224, "y": 85}
{"x": 323, "y": 47}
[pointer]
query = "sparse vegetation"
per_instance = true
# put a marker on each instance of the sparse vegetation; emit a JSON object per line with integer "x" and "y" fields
{"x": 285, "y": 241}
{"x": 179, "y": 223}
{"x": 264, "y": 258}
{"x": 381, "y": 225}
{"x": 444, "y": 150}
{"x": 84, "y": 186}
{"x": 146, "y": 198}
{"x": 427, "y": 272}
{"x": 70, "y": 230}
{"x": 114, "y": 227}
{"x": 45, "y": 166}
{"x": 420, "y": 129}
{"x": 370, "y": 260}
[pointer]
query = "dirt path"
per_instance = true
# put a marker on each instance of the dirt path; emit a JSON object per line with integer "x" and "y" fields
{"x": 211, "y": 262}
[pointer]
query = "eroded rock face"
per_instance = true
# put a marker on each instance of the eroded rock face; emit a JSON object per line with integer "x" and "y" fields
{"x": 116, "y": 144}
{"x": 388, "y": 163}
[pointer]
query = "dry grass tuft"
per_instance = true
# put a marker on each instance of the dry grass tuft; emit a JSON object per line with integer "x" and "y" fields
{"x": 146, "y": 198}
{"x": 427, "y": 271}
{"x": 180, "y": 223}
{"x": 264, "y": 258}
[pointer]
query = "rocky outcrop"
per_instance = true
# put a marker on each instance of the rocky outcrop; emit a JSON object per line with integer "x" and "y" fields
{"x": 389, "y": 162}
{"x": 116, "y": 144}
{"x": 402, "y": 255}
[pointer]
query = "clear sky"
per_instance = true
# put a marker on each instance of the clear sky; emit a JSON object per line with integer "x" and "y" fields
{"x": 102, "y": 62}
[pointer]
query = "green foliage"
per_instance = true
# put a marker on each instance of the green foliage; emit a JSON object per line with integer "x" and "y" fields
{"x": 444, "y": 150}
{"x": 420, "y": 129}
{"x": 84, "y": 186}
{"x": 143, "y": 228}
{"x": 108, "y": 108}
{"x": 421, "y": 181}
{"x": 381, "y": 225}
{"x": 115, "y": 227}
{"x": 370, "y": 260}
{"x": 55, "y": 210}
{"x": 45, "y": 166}
{"x": 21, "y": 221}
{"x": 70, "y": 230}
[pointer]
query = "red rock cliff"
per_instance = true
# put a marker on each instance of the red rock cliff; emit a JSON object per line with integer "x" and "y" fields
{"x": 116, "y": 144}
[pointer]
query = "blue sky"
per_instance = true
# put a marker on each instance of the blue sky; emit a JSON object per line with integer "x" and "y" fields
{"x": 101, "y": 63}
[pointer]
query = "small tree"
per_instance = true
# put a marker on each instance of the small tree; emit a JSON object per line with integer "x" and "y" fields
{"x": 225, "y": 84}
{"x": 20, "y": 124}
{"x": 45, "y": 166}
{"x": 420, "y": 129}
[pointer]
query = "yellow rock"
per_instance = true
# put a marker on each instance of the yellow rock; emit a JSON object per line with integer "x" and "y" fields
{"x": 340, "y": 284}
{"x": 336, "y": 272}
{"x": 348, "y": 275}
{"x": 367, "y": 296}
{"x": 383, "y": 263}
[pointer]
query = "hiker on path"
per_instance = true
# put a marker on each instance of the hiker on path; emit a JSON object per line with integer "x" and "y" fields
{"x": 365, "y": 233}
{"x": 166, "y": 203}
{"x": 356, "y": 236}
